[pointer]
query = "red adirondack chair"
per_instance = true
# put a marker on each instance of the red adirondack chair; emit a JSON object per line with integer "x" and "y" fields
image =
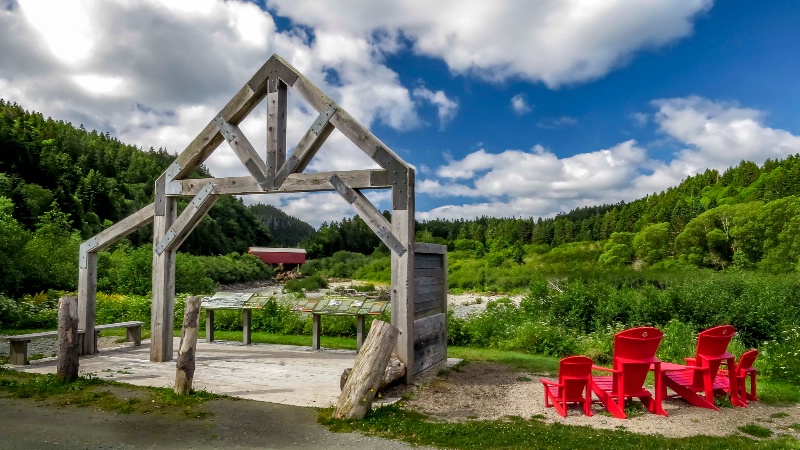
{"x": 699, "y": 375}
{"x": 574, "y": 378}
{"x": 744, "y": 369}
{"x": 634, "y": 356}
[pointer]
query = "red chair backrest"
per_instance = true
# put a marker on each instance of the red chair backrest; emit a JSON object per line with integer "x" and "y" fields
{"x": 634, "y": 352}
{"x": 574, "y": 373}
{"x": 713, "y": 342}
{"x": 637, "y": 343}
{"x": 746, "y": 361}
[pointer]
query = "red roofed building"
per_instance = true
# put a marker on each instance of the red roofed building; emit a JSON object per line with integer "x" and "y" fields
{"x": 285, "y": 256}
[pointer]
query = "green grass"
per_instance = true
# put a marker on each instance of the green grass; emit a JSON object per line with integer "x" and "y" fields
{"x": 533, "y": 363}
{"x": 90, "y": 391}
{"x": 777, "y": 392}
{"x": 395, "y": 423}
{"x": 756, "y": 430}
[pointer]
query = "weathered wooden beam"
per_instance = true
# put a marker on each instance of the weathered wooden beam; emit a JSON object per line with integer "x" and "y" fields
{"x": 162, "y": 314}
{"x": 308, "y": 146}
{"x": 372, "y": 217}
{"x": 276, "y": 128}
{"x": 87, "y": 299}
{"x": 402, "y": 289}
{"x": 296, "y": 182}
{"x": 245, "y": 151}
{"x": 188, "y": 220}
{"x": 233, "y": 112}
{"x": 117, "y": 231}
{"x": 68, "y": 351}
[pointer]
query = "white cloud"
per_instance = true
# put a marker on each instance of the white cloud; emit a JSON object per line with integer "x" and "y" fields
{"x": 538, "y": 183}
{"x": 640, "y": 119}
{"x": 445, "y": 107}
{"x": 519, "y": 103}
{"x": 550, "y": 41}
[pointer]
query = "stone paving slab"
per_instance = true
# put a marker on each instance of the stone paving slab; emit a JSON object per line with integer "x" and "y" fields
{"x": 285, "y": 374}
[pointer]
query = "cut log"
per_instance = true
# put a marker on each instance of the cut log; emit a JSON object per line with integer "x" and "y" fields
{"x": 68, "y": 348}
{"x": 395, "y": 370}
{"x": 184, "y": 371}
{"x": 368, "y": 370}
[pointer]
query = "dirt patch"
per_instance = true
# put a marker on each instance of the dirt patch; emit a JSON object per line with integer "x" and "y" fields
{"x": 484, "y": 391}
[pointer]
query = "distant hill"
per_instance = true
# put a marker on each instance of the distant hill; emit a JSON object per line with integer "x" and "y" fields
{"x": 286, "y": 231}
{"x": 52, "y": 167}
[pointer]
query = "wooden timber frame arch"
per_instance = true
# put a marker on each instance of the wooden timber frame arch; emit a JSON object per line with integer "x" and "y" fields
{"x": 277, "y": 174}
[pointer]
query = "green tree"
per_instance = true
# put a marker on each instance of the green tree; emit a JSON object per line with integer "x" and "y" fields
{"x": 652, "y": 243}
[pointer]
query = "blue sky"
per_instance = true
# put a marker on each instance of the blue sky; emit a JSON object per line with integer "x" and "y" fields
{"x": 506, "y": 108}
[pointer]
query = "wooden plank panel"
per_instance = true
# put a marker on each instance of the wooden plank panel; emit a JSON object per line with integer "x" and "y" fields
{"x": 430, "y": 342}
{"x": 438, "y": 272}
{"x": 426, "y": 306}
{"x": 427, "y": 281}
{"x": 422, "y": 298}
{"x": 428, "y": 288}
{"x": 433, "y": 262}
{"x": 425, "y": 247}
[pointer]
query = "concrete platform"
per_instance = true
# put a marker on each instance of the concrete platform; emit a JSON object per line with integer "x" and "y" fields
{"x": 285, "y": 374}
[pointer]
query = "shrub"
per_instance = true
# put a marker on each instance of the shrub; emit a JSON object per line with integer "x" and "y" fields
{"x": 779, "y": 358}
{"x": 538, "y": 337}
{"x": 312, "y": 283}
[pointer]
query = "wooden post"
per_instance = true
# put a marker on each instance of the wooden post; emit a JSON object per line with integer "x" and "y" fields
{"x": 68, "y": 351}
{"x": 246, "y": 331}
{"x": 184, "y": 369}
{"x": 402, "y": 289}
{"x": 87, "y": 299}
{"x": 162, "y": 320}
{"x": 359, "y": 332}
{"x": 370, "y": 365}
{"x": 209, "y": 325}
{"x": 316, "y": 329}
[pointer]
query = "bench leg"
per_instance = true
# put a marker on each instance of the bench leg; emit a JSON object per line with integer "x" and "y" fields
{"x": 18, "y": 355}
{"x": 134, "y": 334}
{"x": 359, "y": 332}
{"x": 246, "y": 335}
{"x": 315, "y": 331}
{"x": 209, "y": 325}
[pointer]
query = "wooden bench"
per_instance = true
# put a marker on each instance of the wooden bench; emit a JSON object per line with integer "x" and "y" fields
{"x": 19, "y": 343}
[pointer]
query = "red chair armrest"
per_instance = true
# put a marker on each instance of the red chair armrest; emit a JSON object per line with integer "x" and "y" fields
{"x": 605, "y": 369}
{"x": 551, "y": 383}
{"x": 690, "y": 361}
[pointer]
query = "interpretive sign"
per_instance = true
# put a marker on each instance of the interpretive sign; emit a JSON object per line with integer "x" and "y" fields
{"x": 340, "y": 305}
{"x": 226, "y": 300}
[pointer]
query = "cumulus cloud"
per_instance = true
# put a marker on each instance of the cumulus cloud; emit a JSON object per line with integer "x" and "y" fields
{"x": 446, "y": 107}
{"x": 554, "y": 42}
{"x": 538, "y": 183}
{"x": 519, "y": 103}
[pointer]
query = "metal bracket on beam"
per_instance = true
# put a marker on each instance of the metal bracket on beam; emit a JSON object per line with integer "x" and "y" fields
{"x": 323, "y": 119}
{"x": 83, "y": 252}
{"x": 169, "y": 236}
{"x": 396, "y": 175}
{"x": 262, "y": 180}
{"x": 173, "y": 170}
{"x": 225, "y": 129}
{"x": 193, "y": 206}
{"x": 372, "y": 217}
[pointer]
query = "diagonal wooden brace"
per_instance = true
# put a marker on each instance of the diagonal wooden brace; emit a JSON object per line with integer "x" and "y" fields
{"x": 307, "y": 147}
{"x": 189, "y": 219}
{"x": 245, "y": 151}
{"x": 372, "y": 217}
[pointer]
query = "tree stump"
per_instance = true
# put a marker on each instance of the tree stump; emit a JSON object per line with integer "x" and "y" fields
{"x": 68, "y": 349}
{"x": 395, "y": 370}
{"x": 184, "y": 368}
{"x": 368, "y": 370}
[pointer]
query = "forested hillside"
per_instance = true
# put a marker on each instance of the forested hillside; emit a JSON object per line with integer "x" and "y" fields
{"x": 286, "y": 231}
{"x": 747, "y": 217}
{"x": 60, "y": 185}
